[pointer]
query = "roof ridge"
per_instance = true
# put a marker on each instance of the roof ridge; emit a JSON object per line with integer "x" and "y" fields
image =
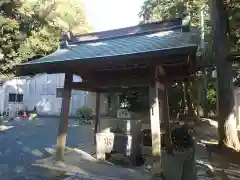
{"x": 123, "y": 36}
{"x": 138, "y": 25}
{"x": 178, "y": 23}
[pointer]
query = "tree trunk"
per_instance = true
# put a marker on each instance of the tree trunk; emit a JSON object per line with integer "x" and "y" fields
{"x": 228, "y": 135}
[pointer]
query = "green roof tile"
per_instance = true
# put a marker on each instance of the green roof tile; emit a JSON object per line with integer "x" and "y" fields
{"x": 122, "y": 46}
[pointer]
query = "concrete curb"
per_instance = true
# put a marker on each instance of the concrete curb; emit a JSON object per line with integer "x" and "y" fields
{"x": 5, "y": 128}
{"x": 90, "y": 177}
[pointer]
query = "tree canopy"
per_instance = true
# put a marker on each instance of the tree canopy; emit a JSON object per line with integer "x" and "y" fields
{"x": 155, "y": 10}
{"x": 32, "y": 28}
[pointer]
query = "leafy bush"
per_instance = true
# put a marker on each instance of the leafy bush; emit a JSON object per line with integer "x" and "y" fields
{"x": 85, "y": 113}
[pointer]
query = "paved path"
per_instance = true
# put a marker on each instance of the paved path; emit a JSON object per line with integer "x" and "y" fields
{"x": 29, "y": 141}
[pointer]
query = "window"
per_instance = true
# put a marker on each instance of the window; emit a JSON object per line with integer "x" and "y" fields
{"x": 59, "y": 92}
{"x": 15, "y": 97}
{"x": 19, "y": 98}
{"x": 12, "y": 98}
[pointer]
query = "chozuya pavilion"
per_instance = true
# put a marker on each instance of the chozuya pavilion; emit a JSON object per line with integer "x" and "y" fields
{"x": 142, "y": 57}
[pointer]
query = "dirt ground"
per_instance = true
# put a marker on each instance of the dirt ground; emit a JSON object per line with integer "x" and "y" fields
{"x": 224, "y": 163}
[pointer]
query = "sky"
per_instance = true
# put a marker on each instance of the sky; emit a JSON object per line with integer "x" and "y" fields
{"x": 112, "y": 14}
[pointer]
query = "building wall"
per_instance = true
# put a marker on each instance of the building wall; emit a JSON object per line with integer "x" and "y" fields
{"x": 40, "y": 91}
{"x": 15, "y": 86}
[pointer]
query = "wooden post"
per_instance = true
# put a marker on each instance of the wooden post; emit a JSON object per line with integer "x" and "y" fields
{"x": 96, "y": 122}
{"x": 155, "y": 126}
{"x": 154, "y": 118}
{"x": 63, "y": 124}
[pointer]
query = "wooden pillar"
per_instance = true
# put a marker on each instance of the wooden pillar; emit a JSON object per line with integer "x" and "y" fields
{"x": 63, "y": 124}
{"x": 155, "y": 126}
{"x": 154, "y": 119}
{"x": 97, "y": 118}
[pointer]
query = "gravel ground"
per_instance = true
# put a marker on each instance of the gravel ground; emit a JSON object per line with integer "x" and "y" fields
{"x": 29, "y": 141}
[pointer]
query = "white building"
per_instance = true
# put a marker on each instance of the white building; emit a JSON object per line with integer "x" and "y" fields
{"x": 43, "y": 92}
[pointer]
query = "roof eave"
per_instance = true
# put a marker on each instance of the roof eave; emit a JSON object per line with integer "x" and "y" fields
{"x": 38, "y": 68}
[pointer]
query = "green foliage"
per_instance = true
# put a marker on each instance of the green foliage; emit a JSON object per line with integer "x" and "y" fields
{"x": 32, "y": 28}
{"x": 155, "y": 10}
{"x": 85, "y": 112}
{"x": 136, "y": 101}
{"x": 63, "y": 14}
{"x": 211, "y": 96}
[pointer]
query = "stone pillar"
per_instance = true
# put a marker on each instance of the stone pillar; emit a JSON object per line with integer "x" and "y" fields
{"x": 63, "y": 124}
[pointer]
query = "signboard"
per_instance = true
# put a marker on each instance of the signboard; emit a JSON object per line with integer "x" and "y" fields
{"x": 123, "y": 113}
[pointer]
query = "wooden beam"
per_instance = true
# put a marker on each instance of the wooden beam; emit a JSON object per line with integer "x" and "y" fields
{"x": 120, "y": 89}
{"x": 108, "y": 83}
{"x": 117, "y": 74}
{"x": 162, "y": 78}
{"x": 63, "y": 124}
{"x": 132, "y": 67}
{"x": 124, "y": 83}
{"x": 91, "y": 88}
{"x": 97, "y": 117}
{"x": 83, "y": 86}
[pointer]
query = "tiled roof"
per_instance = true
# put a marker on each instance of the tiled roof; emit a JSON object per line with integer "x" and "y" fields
{"x": 127, "y": 45}
{"x": 164, "y": 38}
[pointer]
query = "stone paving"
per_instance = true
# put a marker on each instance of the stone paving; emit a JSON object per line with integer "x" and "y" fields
{"x": 29, "y": 141}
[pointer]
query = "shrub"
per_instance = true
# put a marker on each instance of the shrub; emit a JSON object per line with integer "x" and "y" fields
{"x": 85, "y": 113}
